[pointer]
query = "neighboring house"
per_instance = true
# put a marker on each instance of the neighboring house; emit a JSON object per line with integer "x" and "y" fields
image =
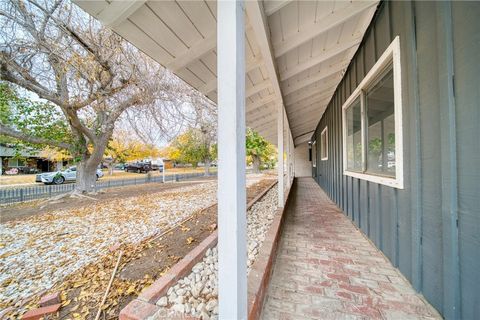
{"x": 26, "y": 160}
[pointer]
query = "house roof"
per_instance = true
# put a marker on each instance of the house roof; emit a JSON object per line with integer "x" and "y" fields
{"x": 6, "y": 151}
{"x": 296, "y": 51}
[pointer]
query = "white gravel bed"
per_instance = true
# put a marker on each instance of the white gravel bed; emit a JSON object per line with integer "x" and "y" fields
{"x": 37, "y": 252}
{"x": 196, "y": 294}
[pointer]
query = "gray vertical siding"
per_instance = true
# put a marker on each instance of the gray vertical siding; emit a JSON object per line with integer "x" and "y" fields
{"x": 430, "y": 230}
{"x": 466, "y": 62}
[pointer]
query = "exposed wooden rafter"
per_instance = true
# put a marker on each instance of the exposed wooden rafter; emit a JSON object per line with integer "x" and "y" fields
{"x": 118, "y": 11}
{"x": 314, "y": 61}
{"x": 312, "y": 30}
{"x": 273, "y": 6}
{"x": 310, "y": 95}
{"x": 323, "y": 74}
{"x": 194, "y": 52}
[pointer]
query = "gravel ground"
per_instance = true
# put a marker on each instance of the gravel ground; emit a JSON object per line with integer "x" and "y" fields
{"x": 39, "y": 251}
{"x": 196, "y": 294}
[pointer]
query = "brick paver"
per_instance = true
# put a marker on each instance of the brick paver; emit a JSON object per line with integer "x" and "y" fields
{"x": 327, "y": 269}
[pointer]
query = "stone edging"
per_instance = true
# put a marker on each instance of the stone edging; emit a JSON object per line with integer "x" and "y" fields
{"x": 259, "y": 276}
{"x": 144, "y": 306}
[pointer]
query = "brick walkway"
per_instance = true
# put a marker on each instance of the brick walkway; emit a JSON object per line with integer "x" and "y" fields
{"x": 327, "y": 269}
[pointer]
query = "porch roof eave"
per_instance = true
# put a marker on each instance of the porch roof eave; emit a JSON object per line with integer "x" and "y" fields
{"x": 292, "y": 51}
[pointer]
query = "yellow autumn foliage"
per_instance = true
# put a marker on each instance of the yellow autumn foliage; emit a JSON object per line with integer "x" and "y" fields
{"x": 124, "y": 147}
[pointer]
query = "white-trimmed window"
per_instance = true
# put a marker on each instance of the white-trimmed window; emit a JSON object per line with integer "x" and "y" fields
{"x": 324, "y": 144}
{"x": 372, "y": 123}
{"x": 14, "y": 162}
{"x": 314, "y": 154}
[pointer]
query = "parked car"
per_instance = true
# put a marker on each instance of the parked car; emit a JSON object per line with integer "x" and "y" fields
{"x": 60, "y": 177}
{"x": 155, "y": 166}
{"x": 138, "y": 167}
{"x": 155, "y": 163}
{"x": 120, "y": 166}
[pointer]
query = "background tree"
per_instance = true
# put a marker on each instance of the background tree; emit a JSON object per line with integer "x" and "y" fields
{"x": 37, "y": 119}
{"x": 124, "y": 147}
{"x": 259, "y": 151}
{"x": 192, "y": 147}
{"x": 64, "y": 56}
{"x": 192, "y": 134}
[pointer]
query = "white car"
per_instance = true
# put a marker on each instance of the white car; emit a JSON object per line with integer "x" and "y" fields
{"x": 60, "y": 177}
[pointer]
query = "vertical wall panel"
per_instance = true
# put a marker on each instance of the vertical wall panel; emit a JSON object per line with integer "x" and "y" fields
{"x": 382, "y": 31}
{"x": 406, "y": 201}
{"x": 376, "y": 218}
{"x": 363, "y": 198}
{"x": 387, "y": 210}
{"x": 369, "y": 53}
{"x": 427, "y": 42}
{"x": 415, "y": 227}
{"x": 466, "y": 51}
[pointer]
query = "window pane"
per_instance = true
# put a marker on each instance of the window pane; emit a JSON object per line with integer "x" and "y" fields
{"x": 314, "y": 151}
{"x": 354, "y": 136}
{"x": 381, "y": 127}
{"x": 12, "y": 162}
{"x": 324, "y": 145}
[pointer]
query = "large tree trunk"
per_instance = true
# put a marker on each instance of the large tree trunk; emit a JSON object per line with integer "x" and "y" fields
{"x": 256, "y": 164}
{"x": 86, "y": 177}
{"x": 207, "y": 167}
{"x": 87, "y": 167}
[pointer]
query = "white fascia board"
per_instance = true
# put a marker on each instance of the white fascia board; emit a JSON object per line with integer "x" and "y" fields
{"x": 258, "y": 22}
{"x": 118, "y": 11}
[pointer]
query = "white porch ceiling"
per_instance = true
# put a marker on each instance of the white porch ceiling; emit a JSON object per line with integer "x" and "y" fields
{"x": 296, "y": 51}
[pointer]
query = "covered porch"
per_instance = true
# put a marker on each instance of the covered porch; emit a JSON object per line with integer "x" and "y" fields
{"x": 349, "y": 82}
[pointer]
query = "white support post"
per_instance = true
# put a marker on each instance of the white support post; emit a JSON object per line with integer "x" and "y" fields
{"x": 232, "y": 225}
{"x": 281, "y": 183}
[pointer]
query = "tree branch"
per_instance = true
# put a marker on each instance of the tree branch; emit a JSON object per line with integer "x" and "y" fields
{"x": 75, "y": 123}
{"x": 4, "y": 130}
{"x": 25, "y": 79}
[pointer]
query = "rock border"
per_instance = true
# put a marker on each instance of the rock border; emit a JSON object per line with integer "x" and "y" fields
{"x": 259, "y": 276}
{"x": 144, "y": 306}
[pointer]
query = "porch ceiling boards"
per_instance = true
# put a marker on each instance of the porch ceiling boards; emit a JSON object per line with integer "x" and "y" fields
{"x": 296, "y": 51}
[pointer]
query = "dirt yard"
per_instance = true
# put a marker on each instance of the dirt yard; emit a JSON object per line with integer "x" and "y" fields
{"x": 70, "y": 248}
{"x": 23, "y": 210}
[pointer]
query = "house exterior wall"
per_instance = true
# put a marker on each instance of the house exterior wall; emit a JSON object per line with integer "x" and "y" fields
{"x": 303, "y": 166}
{"x": 430, "y": 229}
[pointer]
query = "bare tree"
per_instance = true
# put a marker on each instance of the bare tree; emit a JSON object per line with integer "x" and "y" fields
{"x": 189, "y": 111}
{"x": 192, "y": 112}
{"x": 54, "y": 49}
